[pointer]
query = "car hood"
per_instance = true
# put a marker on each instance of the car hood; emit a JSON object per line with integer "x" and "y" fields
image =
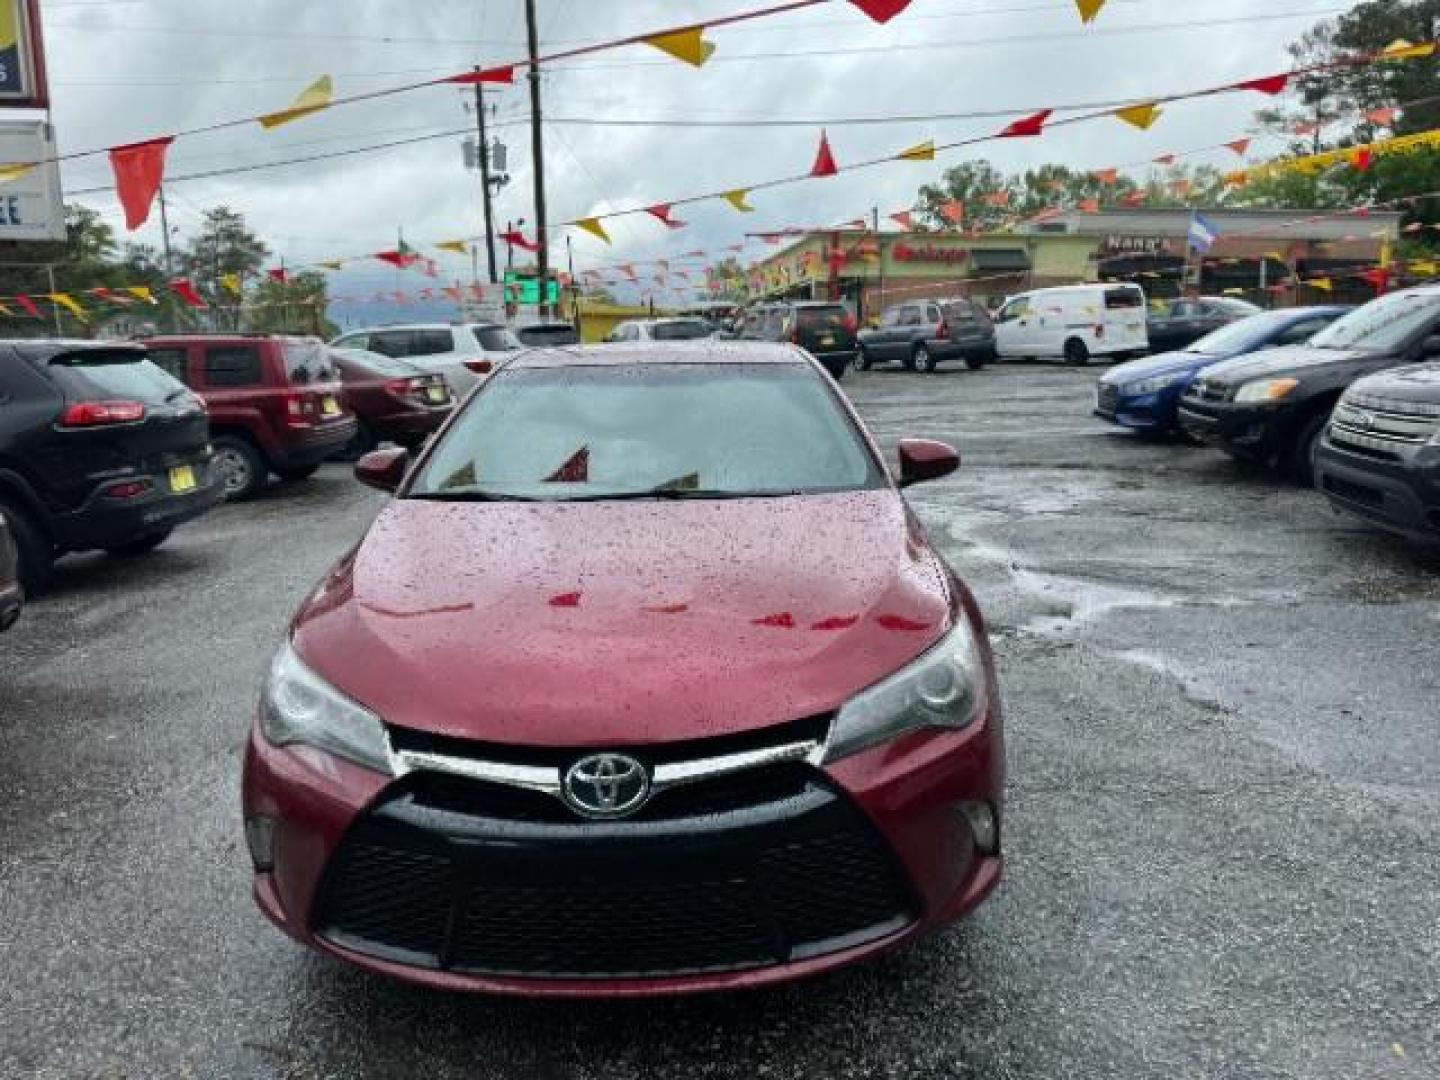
{"x": 1151, "y": 367}
{"x": 1413, "y": 384}
{"x": 1282, "y": 360}
{"x": 624, "y": 623}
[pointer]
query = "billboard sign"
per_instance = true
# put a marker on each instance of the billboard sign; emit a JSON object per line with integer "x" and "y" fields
{"x": 30, "y": 204}
{"x": 22, "y": 56}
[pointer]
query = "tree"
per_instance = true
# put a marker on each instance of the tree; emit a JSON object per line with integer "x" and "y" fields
{"x": 223, "y": 246}
{"x": 295, "y": 306}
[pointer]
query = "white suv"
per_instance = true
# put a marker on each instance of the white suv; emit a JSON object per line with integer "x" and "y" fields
{"x": 458, "y": 351}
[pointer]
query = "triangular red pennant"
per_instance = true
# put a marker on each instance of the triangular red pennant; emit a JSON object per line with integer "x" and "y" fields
{"x": 139, "y": 171}
{"x": 903, "y": 219}
{"x": 824, "y": 159}
{"x": 402, "y": 259}
{"x": 1240, "y": 146}
{"x": 882, "y": 11}
{"x": 281, "y": 275}
{"x": 503, "y": 75}
{"x": 1028, "y": 126}
{"x": 516, "y": 238}
{"x": 28, "y": 304}
{"x": 185, "y": 289}
{"x": 1270, "y": 84}
{"x": 661, "y": 211}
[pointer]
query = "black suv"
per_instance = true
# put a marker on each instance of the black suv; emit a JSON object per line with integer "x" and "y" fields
{"x": 1380, "y": 458}
{"x": 922, "y": 334}
{"x": 823, "y": 328}
{"x": 99, "y": 448}
{"x": 1272, "y": 406}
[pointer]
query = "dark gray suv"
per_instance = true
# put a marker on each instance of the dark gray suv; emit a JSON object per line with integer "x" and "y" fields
{"x": 923, "y": 334}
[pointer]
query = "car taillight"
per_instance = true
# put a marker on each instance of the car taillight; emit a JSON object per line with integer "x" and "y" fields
{"x": 479, "y": 367}
{"x": 129, "y": 489}
{"x": 101, "y": 413}
{"x": 299, "y": 408}
{"x": 943, "y": 333}
{"x": 401, "y": 387}
{"x": 851, "y": 324}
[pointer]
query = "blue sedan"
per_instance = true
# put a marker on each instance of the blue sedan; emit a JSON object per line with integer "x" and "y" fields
{"x": 1144, "y": 394}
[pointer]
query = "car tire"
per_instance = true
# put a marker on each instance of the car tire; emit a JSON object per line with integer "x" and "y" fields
{"x": 836, "y": 368}
{"x": 1301, "y": 465}
{"x": 37, "y": 553}
{"x": 1076, "y": 353}
{"x": 924, "y": 360}
{"x": 241, "y": 469}
{"x": 862, "y": 359}
{"x": 975, "y": 363}
{"x": 141, "y": 545}
{"x": 296, "y": 473}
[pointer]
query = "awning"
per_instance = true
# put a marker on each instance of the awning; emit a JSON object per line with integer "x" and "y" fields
{"x": 999, "y": 260}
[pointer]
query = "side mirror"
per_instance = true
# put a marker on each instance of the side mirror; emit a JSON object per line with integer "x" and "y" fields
{"x": 1430, "y": 347}
{"x": 922, "y": 459}
{"x": 383, "y": 469}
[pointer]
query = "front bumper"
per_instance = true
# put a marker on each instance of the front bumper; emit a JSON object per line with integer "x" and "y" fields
{"x": 1400, "y": 496}
{"x": 1142, "y": 412}
{"x": 102, "y": 521}
{"x": 1252, "y": 432}
{"x": 869, "y": 853}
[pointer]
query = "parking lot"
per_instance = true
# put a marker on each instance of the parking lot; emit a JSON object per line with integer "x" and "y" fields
{"x": 1223, "y": 831}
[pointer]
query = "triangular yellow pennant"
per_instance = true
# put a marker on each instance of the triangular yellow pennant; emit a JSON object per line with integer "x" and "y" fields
{"x": 594, "y": 228}
{"x": 686, "y": 45}
{"x": 924, "y": 151}
{"x": 13, "y": 172}
{"x": 141, "y": 292}
{"x": 68, "y": 302}
{"x": 459, "y": 247}
{"x": 1400, "y": 49}
{"x": 232, "y": 282}
{"x": 334, "y": 264}
{"x": 1324, "y": 284}
{"x": 312, "y": 99}
{"x": 1089, "y": 9}
{"x": 1140, "y": 116}
{"x": 737, "y": 199}
{"x": 1424, "y": 267}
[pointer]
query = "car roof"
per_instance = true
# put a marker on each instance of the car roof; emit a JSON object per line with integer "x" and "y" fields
{"x": 47, "y": 347}
{"x": 407, "y": 326}
{"x": 679, "y": 352}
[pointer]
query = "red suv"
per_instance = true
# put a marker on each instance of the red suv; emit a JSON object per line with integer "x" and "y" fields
{"x": 274, "y": 401}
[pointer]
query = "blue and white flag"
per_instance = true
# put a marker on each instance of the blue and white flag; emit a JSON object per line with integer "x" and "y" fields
{"x": 1203, "y": 233}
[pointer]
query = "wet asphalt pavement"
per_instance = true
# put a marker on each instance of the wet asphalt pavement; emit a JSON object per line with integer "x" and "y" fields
{"x": 1223, "y": 832}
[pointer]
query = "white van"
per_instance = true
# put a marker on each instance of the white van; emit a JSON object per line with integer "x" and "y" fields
{"x": 1075, "y": 322}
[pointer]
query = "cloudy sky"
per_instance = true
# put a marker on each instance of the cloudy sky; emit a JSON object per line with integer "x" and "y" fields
{"x": 123, "y": 70}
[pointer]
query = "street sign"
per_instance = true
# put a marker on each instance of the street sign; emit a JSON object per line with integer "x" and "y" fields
{"x": 522, "y": 289}
{"x": 30, "y": 204}
{"x": 22, "y": 56}
{"x": 488, "y": 304}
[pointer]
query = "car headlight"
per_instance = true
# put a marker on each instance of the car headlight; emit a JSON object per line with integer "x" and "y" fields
{"x": 297, "y": 706}
{"x": 1152, "y": 386}
{"x": 1266, "y": 390}
{"x": 939, "y": 690}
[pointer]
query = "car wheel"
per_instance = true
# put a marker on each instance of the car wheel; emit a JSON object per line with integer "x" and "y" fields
{"x": 298, "y": 472}
{"x": 37, "y": 553}
{"x": 240, "y": 468}
{"x": 862, "y": 359}
{"x": 1076, "y": 353}
{"x": 924, "y": 360}
{"x": 1302, "y": 456}
{"x": 975, "y": 363}
{"x": 836, "y": 368}
{"x": 141, "y": 545}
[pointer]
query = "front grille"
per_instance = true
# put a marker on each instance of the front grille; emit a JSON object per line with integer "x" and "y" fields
{"x": 1107, "y": 398}
{"x": 1375, "y": 426}
{"x": 1356, "y": 493}
{"x": 1207, "y": 390}
{"x": 740, "y": 888}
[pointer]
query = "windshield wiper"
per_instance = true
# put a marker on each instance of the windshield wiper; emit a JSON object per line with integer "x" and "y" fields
{"x": 679, "y": 494}
{"x": 471, "y": 495}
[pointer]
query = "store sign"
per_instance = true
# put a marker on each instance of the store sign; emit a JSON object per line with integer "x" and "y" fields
{"x": 22, "y": 56}
{"x": 1135, "y": 245}
{"x": 30, "y": 204}
{"x": 930, "y": 253}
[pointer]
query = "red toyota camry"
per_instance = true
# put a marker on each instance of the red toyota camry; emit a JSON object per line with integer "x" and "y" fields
{"x": 646, "y": 681}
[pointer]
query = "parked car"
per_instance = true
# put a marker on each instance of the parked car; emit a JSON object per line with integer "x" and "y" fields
{"x": 393, "y": 400}
{"x": 553, "y": 334}
{"x": 1074, "y": 323}
{"x": 12, "y": 593}
{"x": 661, "y": 330}
{"x": 1145, "y": 394}
{"x": 825, "y": 329}
{"x": 767, "y": 741}
{"x": 923, "y": 334}
{"x": 99, "y": 449}
{"x": 1173, "y": 325}
{"x": 275, "y": 403}
{"x": 1272, "y": 406}
{"x": 1380, "y": 457}
{"x": 464, "y": 353}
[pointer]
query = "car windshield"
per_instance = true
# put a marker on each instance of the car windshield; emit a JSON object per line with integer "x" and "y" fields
{"x": 496, "y": 339}
{"x": 684, "y": 330}
{"x": 1242, "y": 336}
{"x": 1232, "y": 306}
{"x": 1381, "y": 324}
{"x": 820, "y": 318}
{"x": 708, "y": 430}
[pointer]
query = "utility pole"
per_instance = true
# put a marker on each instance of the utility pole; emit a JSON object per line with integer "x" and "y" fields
{"x": 483, "y": 149}
{"x": 880, "y": 260}
{"x": 574, "y": 289}
{"x": 165, "y": 247}
{"x": 50, "y": 270}
{"x": 537, "y": 151}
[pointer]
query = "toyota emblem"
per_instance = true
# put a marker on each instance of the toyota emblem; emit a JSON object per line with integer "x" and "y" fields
{"x": 606, "y": 785}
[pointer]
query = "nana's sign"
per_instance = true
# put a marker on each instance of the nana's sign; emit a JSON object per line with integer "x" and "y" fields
{"x": 930, "y": 253}
{"x": 1135, "y": 245}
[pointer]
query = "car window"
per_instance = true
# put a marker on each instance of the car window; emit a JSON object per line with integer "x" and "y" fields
{"x": 233, "y": 365}
{"x": 820, "y": 318}
{"x": 1303, "y": 331}
{"x": 352, "y": 341}
{"x": 1182, "y": 309}
{"x": 1382, "y": 324}
{"x": 932, "y": 314}
{"x": 432, "y": 342}
{"x": 892, "y": 316}
{"x": 391, "y": 343}
{"x": 550, "y": 334}
{"x": 586, "y": 432}
{"x": 1015, "y": 309}
{"x": 377, "y": 363}
{"x": 171, "y": 361}
{"x": 774, "y": 325}
{"x": 910, "y": 316}
{"x": 119, "y": 374}
{"x": 961, "y": 311}
{"x": 308, "y": 362}
{"x": 496, "y": 338}
{"x": 687, "y": 330}
{"x": 1123, "y": 299}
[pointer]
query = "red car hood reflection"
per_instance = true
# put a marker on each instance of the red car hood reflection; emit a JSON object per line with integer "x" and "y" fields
{"x": 607, "y": 624}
